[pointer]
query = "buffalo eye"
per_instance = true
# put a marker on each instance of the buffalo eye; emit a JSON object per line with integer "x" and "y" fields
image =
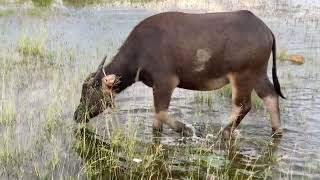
{"x": 96, "y": 84}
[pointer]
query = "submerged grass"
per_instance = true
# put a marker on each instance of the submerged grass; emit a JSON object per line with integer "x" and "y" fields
{"x": 6, "y": 12}
{"x": 34, "y": 12}
{"x": 42, "y": 3}
{"x": 225, "y": 92}
{"x": 81, "y": 3}
{"x": 204, "y": 98}
{"x": 8, "y": 114}
{"x": 53, "y": 120}
{"x": 33, "y": 52}
{"x": 32, "y": 46}
{"x": 120, "y": 157}
{"x": 256, "y": 102}
{"x": 124, "y": 157}
{"x": 283, "y": 55}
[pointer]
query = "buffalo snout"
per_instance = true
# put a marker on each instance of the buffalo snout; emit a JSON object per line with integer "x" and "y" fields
{"x": 79, "y": 115}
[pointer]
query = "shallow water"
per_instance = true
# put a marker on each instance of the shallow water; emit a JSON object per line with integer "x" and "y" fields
{"x": 79, "y": 38}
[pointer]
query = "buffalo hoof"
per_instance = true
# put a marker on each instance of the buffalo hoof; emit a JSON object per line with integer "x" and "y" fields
{"x": 277, "y": 133}
{"x": 226, "y": 133}
{"x": 187, "y": 132}
{"x": 157, "y": 129}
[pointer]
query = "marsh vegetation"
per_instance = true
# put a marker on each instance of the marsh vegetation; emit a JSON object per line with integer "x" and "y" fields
{"x": 45, "y": 54}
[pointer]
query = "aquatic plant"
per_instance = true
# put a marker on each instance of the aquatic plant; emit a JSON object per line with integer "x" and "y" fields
{"x": 283, "y": 55}
{"x": 226, "y": 91}
{"x": 8, "y": 113}
{"x": 42, "y": 3}
{"x": 7, "y": 12}
{"x": 124, "y": 157}
{"x": 256, "y": 102}
{"x": 204, "y": 98}
{"x": 81, "y": 3}
{"x": 32, "y": 46}
{"x": 52, "y": 121}
{"x": 33, "y": 52}
{"x": 35, "y": 12}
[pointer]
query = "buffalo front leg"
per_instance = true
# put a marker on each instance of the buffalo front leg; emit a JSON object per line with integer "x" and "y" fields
{"x": 162, "y": 91}
{"x": 241, "y": 102}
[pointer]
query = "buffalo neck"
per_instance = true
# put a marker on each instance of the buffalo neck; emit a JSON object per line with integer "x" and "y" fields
{"x": 125, "y": 68}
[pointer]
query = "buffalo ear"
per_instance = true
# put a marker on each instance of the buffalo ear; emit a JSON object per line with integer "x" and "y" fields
{"x": 108, "y": 81}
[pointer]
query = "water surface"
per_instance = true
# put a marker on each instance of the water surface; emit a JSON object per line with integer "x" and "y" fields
{"x": 79, "y": 38}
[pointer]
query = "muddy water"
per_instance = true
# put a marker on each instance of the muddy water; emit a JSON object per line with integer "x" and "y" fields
{"x": 79, "y": 38}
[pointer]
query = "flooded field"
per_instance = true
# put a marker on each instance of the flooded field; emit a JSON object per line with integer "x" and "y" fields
{"x": 46, "y": 53}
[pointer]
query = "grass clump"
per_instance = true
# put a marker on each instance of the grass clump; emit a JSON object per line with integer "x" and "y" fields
{"x": 34, "y": 12}
{"x": 46, "y": 170}
{"x": 82, "y": 3}
{"x": 8, "y": 114}
{"x": 226, "y": 91}
{"x": 256, "y": 102}
{"x": 31, "y": 47}
{"x": 42, "y": 3}
{"x": 204, "y": 98}
{"x": 11, "y": 157}
{"x": 33, "y": 52}
{"x": 121, "y": 157}
{"x": 124, "y": 157}
{"x": 10, "y": 160}
{"x": 53, "y": 121}
{"x": 140, "y": 1}
{"x": 283, "y": 55}
{"x": 7, "y": 12}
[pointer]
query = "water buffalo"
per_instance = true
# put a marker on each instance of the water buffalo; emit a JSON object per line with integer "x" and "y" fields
{"x": 191, "y": 51}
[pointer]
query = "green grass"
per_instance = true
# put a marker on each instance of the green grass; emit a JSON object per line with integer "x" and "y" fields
{"x": 32, "y": 47}
{"x": 120, "y": 157}
{"x": 7, "y": 12}
{"x": 225, "y": 92}
{"x": 53, "y": 120}
{"x": 42, "y": 3}
{"x": 82, "y": 3}
{"x": 34, "y": 12}
{"x": 8, "y": 114}
{"x": 256, "y": 102}
{"x": 123, "y": 156}
{"x": 283, "y": 55}
{"x": 11, "y": 157}
{"x": 77, "y": 3}
{"x": 33, "y": 52}
{"x": 204, "y": 98}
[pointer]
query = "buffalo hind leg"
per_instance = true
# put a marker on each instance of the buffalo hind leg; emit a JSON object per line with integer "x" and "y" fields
{"x": 265, "y": 90}
{"x": 162, "y": 91}
{"x": 241, "y": 102}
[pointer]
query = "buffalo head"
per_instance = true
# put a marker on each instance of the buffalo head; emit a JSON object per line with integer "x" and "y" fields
{"x": 96, "y": 94}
